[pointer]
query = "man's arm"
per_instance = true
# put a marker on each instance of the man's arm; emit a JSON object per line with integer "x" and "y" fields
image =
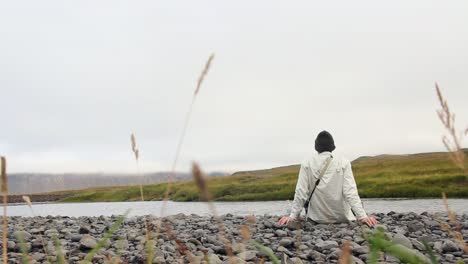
{"x": 351, "y": 195}
{"x": 301, "y": 194}
{"x": 350, "y": 192}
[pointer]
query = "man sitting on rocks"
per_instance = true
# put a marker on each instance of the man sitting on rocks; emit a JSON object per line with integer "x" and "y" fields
{"x": 328, "y": 182}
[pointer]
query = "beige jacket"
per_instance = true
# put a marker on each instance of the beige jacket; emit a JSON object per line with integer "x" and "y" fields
{"x": 336, "y": 194}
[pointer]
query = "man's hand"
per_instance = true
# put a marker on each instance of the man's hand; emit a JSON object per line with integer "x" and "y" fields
{"x": 370, "y": 221}
{"x": 285, "y": 219}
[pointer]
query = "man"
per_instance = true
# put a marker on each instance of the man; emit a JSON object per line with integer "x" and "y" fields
{"x": 335, "y": 198}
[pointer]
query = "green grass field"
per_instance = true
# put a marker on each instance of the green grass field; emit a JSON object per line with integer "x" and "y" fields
{"x": 413, "y": 176}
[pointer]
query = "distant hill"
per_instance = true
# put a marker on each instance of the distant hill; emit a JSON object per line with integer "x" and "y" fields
{"x": 32, "y": 183}
{"x": 269, "y": 172}
{"x": 414, "y": 175}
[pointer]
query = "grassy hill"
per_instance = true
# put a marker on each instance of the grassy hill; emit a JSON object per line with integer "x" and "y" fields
{"x": 416, "y": 175}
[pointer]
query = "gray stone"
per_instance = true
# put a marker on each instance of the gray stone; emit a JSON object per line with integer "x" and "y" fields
{"x": 51, "y": 233}
{"x": 237, "y": 260}
{"x": 76, "y": 238}
{"x": 329, "y": 244}
{"x": 22, "y": 234}
{"x": 36, "y": 243}
{"x": 438, "y": 247}
{"x": 248, "y": 255}
{"x": 415, "y": 226}
{"x": 294, "y": 225}
{"x": 268, "y": 224}
{"x": 356, "y": 260}
{"x": 11, "y": 245}
{"x": 199, "y": 233}
{"x": 317, "y": 256}
{"x": 402, "y": 240}
{"x": 88, "y": 242}
{"x": 358, "y": 239}
{"x": 449, "y": 257}
{"x": 281, "y": 233}
{"x": 335, "y": 253}
{"x": 284, "y": 250}
{"x": 214, "y": 259}
{"x": 38, "y": 256}
{"x": 84, "y": 230}
{"x": 35, "y": 231}
{"x": 303, "y": 247}
{"x": 361, "y": 250}
{"x": 418, "y": 245}
{"x": 296, "y": 260}
{"x": 286, "y": 242}
{"x": 391, "y": 259}
{"x": 449, "y": 246}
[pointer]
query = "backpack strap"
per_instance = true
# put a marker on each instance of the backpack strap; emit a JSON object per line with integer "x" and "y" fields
{"x": 322, "y": 172}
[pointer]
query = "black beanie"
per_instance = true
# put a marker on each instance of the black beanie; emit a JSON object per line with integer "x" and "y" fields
{"x": 324, "y": 142}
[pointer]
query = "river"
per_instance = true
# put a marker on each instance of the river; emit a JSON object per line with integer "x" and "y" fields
{"x": 460, "y": 206}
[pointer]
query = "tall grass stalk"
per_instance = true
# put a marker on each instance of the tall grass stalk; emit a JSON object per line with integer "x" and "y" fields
{"x": 184, "y": 132}
{"x": 457, "y": 155}
{"x": 180, "y": 244}
{"x": 345, "y": 257}
{"x": 266, "y": 251}
{"x": 148, "y": 244}
{"x": 380, "y": 243}
{"x": 5, "y": 203}
{"x": 106, "y": 237}
{"x": 456, "y": 234}
{"x": 452, "y": 142}
{"x": 430, "y": 251}
{"x": 24, "y": 250}
{"x": 29, "y": 203}
{"x": 116, "y": 259}
{"x": 246, "y": 235}
{"x": 181, "y": 139}
{"x": 58, "y": 249}
{"x": 200, "y": 180}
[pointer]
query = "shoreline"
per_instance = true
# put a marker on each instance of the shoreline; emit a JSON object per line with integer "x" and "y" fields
{"x": 18, "y": 200}
{"x": 200, "y": 234}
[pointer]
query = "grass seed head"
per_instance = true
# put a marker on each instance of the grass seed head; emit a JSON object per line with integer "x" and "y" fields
{"x": 3, "y": 172}
{"x": 204, "y": 73}
{"x": 27, "y": 200}
{"x": 200, "y": 180}
{"x": 245, "y": 233}
{"x": 135, "y": 150}
{"x": 453, "y": 145}
{"x": 345, "y": 257}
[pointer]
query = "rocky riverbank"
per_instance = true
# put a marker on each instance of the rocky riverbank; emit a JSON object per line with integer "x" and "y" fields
{"x": 200, "y": 236}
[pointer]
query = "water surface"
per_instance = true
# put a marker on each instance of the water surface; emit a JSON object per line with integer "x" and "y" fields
{"x": 460, "y": 206}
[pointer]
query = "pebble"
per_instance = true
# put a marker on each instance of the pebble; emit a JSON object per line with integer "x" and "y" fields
{"x": 199, "y": 234}
{"x": 449, "y": 246}
{"x": 329, "y": 244}
{"x": 402, "y": 240}
{"x": 87, "y": 242}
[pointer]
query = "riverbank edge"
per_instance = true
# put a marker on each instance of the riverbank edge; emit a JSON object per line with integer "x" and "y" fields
{"x": 200, "y": 234}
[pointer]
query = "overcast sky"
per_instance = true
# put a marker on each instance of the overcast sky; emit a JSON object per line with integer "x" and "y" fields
{"x": 77, "y": 77}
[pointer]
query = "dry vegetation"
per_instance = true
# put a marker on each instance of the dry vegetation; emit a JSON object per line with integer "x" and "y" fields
{"x": 453, "y": 141}
{"x": 5, "y": 201}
